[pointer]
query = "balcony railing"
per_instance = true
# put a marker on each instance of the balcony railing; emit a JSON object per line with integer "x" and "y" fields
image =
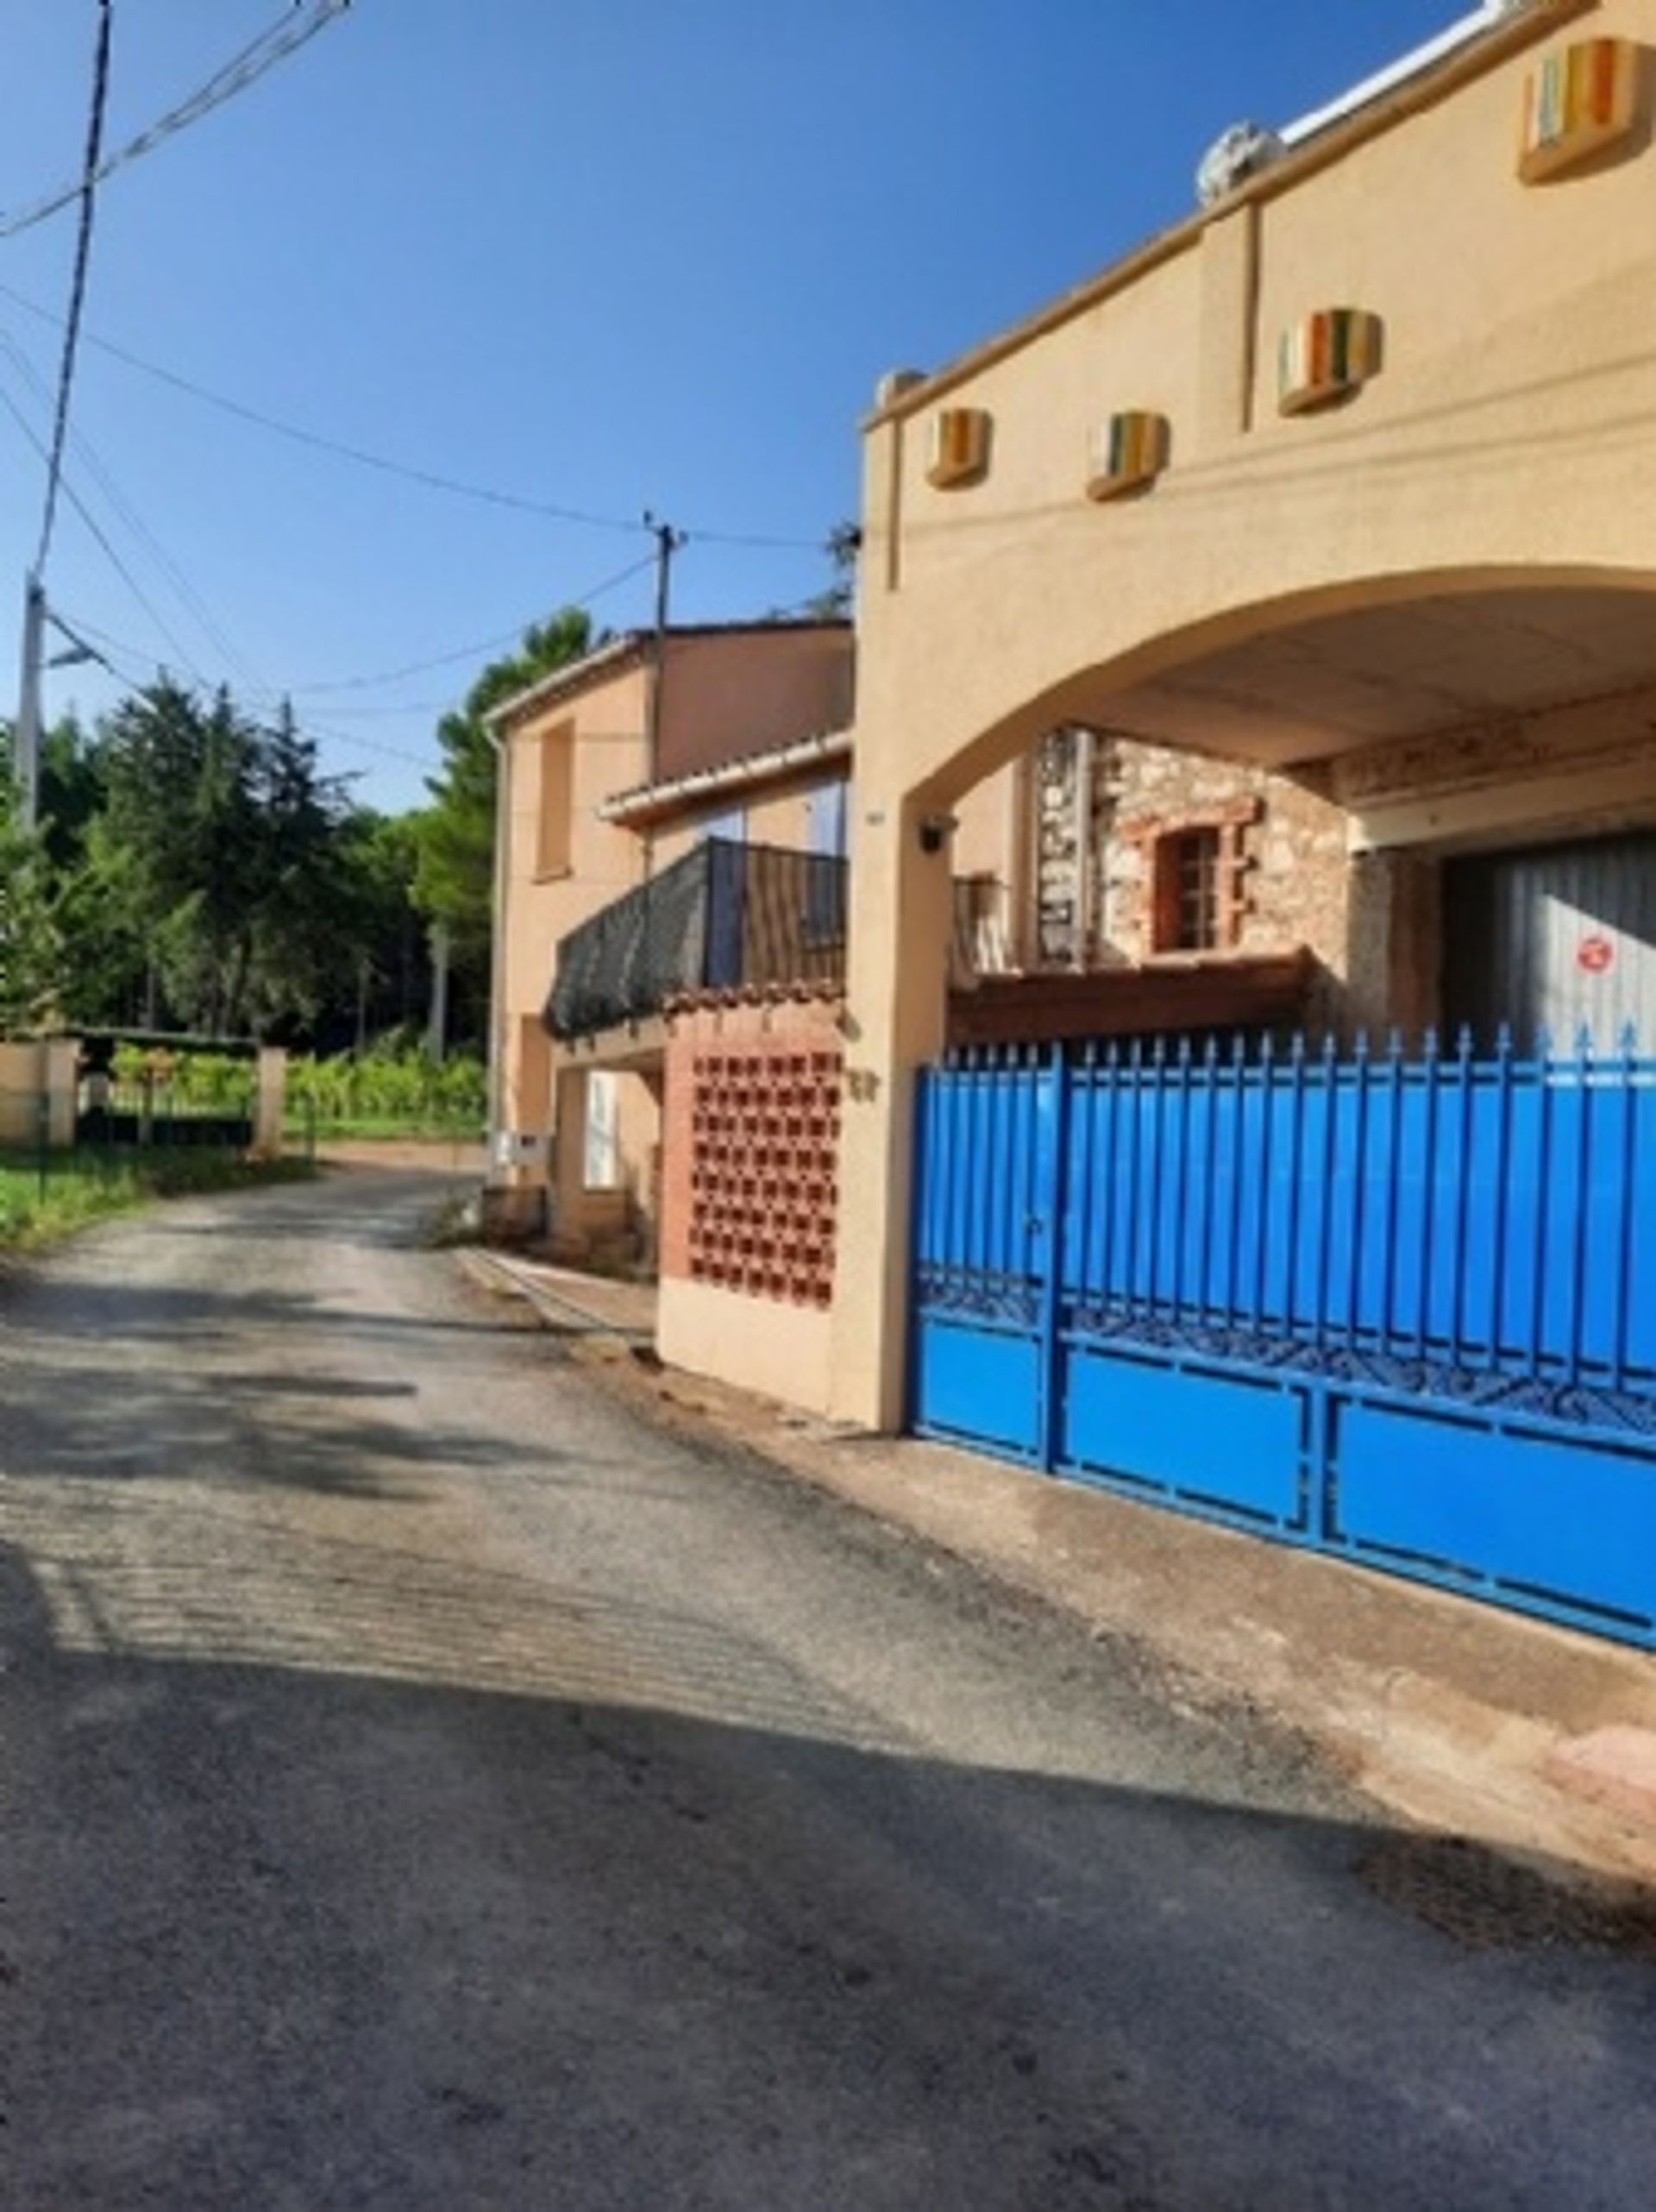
{"x": 727, "y": 917}
{"x": 724, "y": 917}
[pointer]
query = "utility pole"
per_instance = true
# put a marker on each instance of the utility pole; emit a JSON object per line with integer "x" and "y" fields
{"x": 437, "y": 1043}
{"x": 25, "y": 736}
{"x": 669, "y": 542}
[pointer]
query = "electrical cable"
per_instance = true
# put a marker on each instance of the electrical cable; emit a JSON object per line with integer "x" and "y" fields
{"x": 141, "y": 669}
{"x": 135, "y": 523}
{"x": 481, "y": 645}
{"x": 432, "y": 480}
{"x": 101, "y": 539}
{"x": 77, "y": 282}
{"x": 235, "y": 76}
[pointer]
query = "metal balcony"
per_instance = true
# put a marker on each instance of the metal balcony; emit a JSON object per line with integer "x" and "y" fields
{"x": 725, "y": 917}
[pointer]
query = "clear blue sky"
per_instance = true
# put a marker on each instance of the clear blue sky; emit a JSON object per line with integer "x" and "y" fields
{"x": 604, "y": 253}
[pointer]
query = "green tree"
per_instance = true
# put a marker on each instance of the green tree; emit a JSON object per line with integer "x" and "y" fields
{"x": 382, "y": 977}
{"x": 31, "y": 947}
{"x": 299, "y": 893}
{"x": 844, "y": 544}
{"x": 453, "y": 882}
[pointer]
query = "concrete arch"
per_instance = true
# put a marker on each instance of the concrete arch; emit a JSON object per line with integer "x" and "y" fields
{"x": 1135, "y": 668}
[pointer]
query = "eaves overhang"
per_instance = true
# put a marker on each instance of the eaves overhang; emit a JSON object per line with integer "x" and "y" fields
{"x": 648, "y": 802}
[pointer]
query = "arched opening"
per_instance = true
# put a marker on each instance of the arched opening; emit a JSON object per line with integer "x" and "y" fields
{"x": 1413, "y": 800}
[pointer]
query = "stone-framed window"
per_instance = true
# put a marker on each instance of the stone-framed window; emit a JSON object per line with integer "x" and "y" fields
{"x": 1195, "y": 879}
{"x": 1185, "y": 898}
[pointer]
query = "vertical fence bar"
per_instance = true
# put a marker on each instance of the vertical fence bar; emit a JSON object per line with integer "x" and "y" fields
{"x": 1158, "y": 1124}
{"x": 1584, "y": 1074}
{"x": 1049, "y": 1440}
{"x": 1134, "y": 1072}
{"x": 1325, "y": 1220}
{"x": 1295, "y": 1178}
{"x": 1396, "y": 1094}
{"x": 1543, "y": 1149}
{"x": 1265, "y": 1208}
{"x": 1501, "y": 1225}
{"x": 954, "y": 1252}
{"x": 1081, "y": 1076}
{"x": 1430, "y": 1072}
{"x": 1181, "y": 1183}
{"x": 1239, "y": 1110}
{"x": 1359, "y": 1186}
{"x": 1463, "y": 1198}
{"x": 1625, "y": 1200}
{"x": 1023, "y": 1187}
{"x": 1109, "y": 1147}
{"x": 1207, "y": 1298}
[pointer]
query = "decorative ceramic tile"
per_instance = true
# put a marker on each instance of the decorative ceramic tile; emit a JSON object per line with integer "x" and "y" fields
{"x": 960, "y": 448}
{"x": 1581, "y": 102}
{"x": 1128, "y": 452}
{"x": 1327, "y": 356}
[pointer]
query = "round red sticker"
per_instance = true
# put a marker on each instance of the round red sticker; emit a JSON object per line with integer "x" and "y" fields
{"x": 1595, "y": 954}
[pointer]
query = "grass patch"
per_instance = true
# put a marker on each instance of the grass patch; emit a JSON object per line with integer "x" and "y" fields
{"x": 82, "y": 1186}
{"x": 386, "y": 1128}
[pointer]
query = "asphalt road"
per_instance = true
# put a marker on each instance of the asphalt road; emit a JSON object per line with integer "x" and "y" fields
{"x": 426, "y": 1785}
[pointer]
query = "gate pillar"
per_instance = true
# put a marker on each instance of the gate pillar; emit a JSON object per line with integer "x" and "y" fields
{"x": 896, "y": 1011}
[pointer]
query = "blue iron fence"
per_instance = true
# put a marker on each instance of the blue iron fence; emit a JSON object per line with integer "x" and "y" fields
{"x": 1244, "y": 1280}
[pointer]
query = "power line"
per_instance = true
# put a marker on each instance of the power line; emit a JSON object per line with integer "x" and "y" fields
{"x": 141, "y": 667}
{"x": 433, "y": 479}
{"x": 101, "y": 539}
{"x": 242, "y": 70}
{"x": 78, "y": 283}
{"x": 133, "y": 521}
{"x": 481, "y": 645}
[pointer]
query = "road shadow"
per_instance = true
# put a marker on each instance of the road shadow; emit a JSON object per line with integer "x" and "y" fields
{"x": 314, "y": 1919}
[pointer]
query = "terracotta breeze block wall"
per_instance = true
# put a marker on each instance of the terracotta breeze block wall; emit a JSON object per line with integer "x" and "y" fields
{"x": 751, "y": 1148}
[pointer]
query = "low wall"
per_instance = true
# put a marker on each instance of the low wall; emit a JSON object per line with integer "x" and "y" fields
{"x": 750, "y": 1193}
{"x": 34, "y": 1073}
{"x": 780, "y": 1351}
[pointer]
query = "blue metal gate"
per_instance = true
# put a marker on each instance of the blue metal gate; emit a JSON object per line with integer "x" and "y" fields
{"x": 1401, "y": 1308}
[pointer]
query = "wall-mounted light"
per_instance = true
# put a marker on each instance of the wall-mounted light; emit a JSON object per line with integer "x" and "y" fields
{"x": 936, "y": 830}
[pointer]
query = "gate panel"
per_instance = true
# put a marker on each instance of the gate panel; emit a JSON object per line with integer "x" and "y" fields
{"x": 985, "y": 1185}
{"x": 1229, "y": 1442}
{"x": 1400, "y": 1308}
{"x": 1568, "y": 1523}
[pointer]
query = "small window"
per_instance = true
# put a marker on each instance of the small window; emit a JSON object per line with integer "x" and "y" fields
{"x": 552, "y": 850}
{"x": 728, "y": 824}
{"x": 825, "y": 821}
{"x": 1187, "y": 869}
{"x": 601, "y": 1151}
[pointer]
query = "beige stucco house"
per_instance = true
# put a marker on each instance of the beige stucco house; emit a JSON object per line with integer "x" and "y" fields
{"x": 1325, "y": 519}
{"x": 613, "y": 770}
{"x": 1257, "y": 635}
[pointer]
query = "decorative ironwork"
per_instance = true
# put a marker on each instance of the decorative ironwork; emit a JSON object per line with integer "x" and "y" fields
{"x": 1001, "y": 1299}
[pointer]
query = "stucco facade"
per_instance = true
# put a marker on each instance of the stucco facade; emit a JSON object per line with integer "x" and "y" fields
{"x": 581, "y": 1124}
{"x": 1418, "y": 603}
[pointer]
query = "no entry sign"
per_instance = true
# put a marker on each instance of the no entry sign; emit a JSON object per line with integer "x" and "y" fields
{"x": 1595, "y": 955}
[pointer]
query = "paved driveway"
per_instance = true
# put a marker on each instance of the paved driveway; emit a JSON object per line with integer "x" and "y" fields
{"x": 427, "y": 1787}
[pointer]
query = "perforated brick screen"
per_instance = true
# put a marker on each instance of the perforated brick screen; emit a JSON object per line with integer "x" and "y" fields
{"x": 765, "y": 1136}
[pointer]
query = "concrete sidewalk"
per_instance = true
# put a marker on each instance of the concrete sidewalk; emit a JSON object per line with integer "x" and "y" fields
{"x": 1458, "y": 1717}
